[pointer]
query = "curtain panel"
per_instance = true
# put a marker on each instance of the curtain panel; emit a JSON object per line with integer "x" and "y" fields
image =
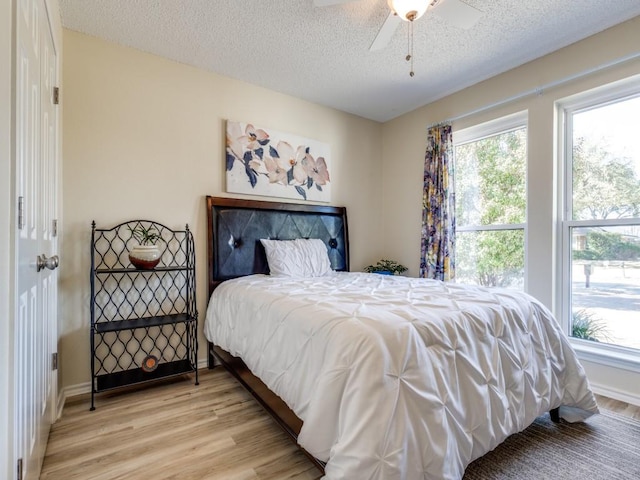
{"x": 438, "y": 206}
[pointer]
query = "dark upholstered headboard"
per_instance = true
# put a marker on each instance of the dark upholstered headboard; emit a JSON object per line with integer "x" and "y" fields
{"x": 236, "y": 226}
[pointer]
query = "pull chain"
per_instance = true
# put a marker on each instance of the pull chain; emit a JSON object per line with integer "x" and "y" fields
{"x": 410, "y": 48}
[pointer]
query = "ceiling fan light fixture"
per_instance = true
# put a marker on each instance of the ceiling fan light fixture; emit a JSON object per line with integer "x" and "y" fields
{"x": 409, "y": 10}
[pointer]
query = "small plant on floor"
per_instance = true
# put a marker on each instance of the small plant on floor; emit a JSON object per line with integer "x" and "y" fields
{"x": 588, "y": 327}
{"x": 386, "y": 266}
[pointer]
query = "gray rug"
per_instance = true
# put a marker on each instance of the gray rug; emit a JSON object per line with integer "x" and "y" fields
{"x": 606, "y": 446}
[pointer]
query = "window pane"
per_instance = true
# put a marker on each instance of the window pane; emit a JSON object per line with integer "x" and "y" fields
{"x": 605, "y": 284}
{"x": 490, "y": 179}
{"x": 606, "y": 161}
{"x": 491, "y": 258}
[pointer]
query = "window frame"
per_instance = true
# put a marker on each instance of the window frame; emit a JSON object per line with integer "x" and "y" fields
{"x": 498, "y": 126}
{"x": 603, "y": 353}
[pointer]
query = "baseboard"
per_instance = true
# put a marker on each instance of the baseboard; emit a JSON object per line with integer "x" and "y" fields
{"x": 84, "y": 388}
{"x": 615, "y": 394}
{"x": 71, "y": 391}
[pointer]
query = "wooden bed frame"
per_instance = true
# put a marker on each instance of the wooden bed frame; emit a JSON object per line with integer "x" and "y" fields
{"x": 235, "y": 228}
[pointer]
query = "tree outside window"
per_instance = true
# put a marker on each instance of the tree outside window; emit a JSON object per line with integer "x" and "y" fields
{"x": 490, "y": 184}
{"x": 603, "y": 221}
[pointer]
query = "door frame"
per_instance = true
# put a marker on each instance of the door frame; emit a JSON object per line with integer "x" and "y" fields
{"x": 7, "y": 233}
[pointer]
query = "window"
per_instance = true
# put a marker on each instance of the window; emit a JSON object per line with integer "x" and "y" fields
{"x": 490, "y": 185}
{"x": 601, "y": 218}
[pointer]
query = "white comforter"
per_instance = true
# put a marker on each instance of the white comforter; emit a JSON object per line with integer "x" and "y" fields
{"x": 400, "y": 378}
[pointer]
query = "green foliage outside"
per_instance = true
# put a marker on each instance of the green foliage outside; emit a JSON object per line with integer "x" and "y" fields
{"x": 491, "y": 258}
{"x": 491, "y": 189}
{"x": 587, "y": 326}
{"x": 604, "y": 186}
{"x": 608, "y": 246}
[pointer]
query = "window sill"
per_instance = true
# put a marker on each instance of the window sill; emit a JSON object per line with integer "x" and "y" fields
{"x": 609, "y": 355}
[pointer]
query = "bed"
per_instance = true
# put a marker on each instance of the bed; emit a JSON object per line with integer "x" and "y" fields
{"x": 378, "y": 377}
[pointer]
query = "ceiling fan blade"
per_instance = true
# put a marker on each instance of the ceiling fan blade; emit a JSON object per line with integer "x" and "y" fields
{"x": 457, "y": 13}
{"x": 386, "y": 32}
{"x": 328, "y": 3}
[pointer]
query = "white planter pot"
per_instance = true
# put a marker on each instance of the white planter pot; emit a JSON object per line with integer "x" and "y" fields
{"x": 144, "y": 257}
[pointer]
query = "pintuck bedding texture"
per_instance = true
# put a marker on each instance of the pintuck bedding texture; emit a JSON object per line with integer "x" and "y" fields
{"x": 396, "y": 377}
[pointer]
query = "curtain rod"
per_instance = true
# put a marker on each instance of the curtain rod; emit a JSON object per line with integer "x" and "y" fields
{"x": 540, "y": 90}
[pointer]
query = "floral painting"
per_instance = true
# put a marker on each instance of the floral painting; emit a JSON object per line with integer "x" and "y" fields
{"x": 262, "y": 161}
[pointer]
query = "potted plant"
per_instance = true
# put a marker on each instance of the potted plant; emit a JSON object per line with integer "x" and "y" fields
{"x": 386, "y": 267}
{"x": 146, "y": 255}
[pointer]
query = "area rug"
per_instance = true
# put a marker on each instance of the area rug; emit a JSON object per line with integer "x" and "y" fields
{"x": 606, "y": 446}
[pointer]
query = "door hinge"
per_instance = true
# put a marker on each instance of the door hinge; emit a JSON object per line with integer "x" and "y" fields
{"x": 19, "y": 470}
{"x": 20, "y": 213}
{"x": 56, "y": 95}
{"x": 54, "y": 361}
{"x": 54, "y": 228}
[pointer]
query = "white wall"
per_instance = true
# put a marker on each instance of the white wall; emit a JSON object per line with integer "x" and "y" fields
{"x": 144, "y": 138}
{"x": 404, "y": 142}
{"x": 6, "y": 244}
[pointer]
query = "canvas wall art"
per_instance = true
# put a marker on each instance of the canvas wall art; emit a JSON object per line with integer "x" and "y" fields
{"x": 262, "y": 161}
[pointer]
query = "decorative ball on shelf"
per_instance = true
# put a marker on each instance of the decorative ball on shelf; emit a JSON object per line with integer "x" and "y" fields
{"x": 150, "y": 363}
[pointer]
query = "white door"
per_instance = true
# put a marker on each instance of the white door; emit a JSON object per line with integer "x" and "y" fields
{"x": 36, "y": 191}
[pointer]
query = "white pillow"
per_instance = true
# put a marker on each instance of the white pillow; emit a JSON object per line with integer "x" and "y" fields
{"x": 297, "y": 258}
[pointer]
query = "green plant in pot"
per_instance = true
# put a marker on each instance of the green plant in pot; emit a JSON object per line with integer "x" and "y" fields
{"x": 386, "y": 267}
{"x": 146, "y": 255}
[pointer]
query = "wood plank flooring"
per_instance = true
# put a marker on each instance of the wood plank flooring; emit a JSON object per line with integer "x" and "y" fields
{"x": 621, "y": 408}
{"x": 175, "y": 430}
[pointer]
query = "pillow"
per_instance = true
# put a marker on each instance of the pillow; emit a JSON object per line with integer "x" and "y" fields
{"x": 297, "y": 258}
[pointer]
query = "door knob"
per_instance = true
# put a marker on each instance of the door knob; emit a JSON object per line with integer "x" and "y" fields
{"x": 51, "y": 263}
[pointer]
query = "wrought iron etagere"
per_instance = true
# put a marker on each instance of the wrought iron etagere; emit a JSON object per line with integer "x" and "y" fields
{"x": 141, "y": 317}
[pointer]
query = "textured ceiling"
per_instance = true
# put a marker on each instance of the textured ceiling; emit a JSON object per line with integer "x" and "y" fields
{"x": 322, "y": 54}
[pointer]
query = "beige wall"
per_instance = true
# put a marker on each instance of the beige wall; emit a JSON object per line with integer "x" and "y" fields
{"x": 404, "y": 142}
{"x": 144, "y": 138}
{"x": 131, "y": 116}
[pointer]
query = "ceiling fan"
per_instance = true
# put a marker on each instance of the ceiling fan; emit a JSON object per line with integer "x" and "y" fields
{"x": 456, "y": 12}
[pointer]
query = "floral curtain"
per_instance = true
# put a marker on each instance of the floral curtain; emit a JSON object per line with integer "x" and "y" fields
{"x": 438, "y": 207}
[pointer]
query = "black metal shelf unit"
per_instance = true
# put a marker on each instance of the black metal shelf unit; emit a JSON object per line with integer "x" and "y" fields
{"x": 143, "y": 322}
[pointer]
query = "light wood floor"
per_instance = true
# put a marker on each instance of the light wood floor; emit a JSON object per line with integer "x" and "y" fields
{"x": 621, "y": 408}
{"x": 176, "y": 430}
